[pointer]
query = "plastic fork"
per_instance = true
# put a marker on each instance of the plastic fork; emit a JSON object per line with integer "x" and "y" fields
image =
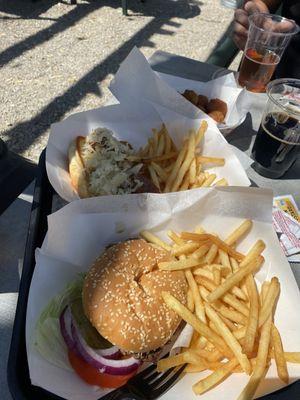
{"x": 147, "y": 385}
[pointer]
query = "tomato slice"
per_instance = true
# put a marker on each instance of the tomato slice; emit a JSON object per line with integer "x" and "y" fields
{"x": 92, "y": 376}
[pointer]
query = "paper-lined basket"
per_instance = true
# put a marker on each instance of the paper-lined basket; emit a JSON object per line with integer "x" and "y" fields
{"x": 79, "y": 232}
{"x": 136, "y": 80}
{"x": 135, "y": 125}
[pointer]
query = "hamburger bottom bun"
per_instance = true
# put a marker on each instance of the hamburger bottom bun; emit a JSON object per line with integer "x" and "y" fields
{"x": 122, "y": 296}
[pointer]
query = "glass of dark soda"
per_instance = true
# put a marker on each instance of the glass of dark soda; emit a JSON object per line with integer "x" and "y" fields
{"x": 277, "y": 144}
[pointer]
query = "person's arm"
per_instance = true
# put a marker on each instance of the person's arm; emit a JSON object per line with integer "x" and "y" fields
{"x": 241, "y": 15}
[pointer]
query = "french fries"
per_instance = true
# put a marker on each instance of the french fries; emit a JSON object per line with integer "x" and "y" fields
{"x": 252, "y": 324}
{"x": 209, "y": 180}
{"x": 186, "y": 163}
{"x": 189, "y": 356}
{"x": 229, "y": 338}
{"x": 210, "y": 160}
{"x": 185, "y": 249}
{"x": 176, "y": 239}
{"x": 279, "y": 355}
{"x": 268, "y": 304}
{"x": 154, "y": 176}
{"x": 239, "y": 232}
{"x": 221, "y": 182}
{"x": 150, "y": 237}
{"x": 199, "y": 308}
{"x": 200, "y": 237}
{"x": 234, "y": 331}
{"x": 290, "y": 356}
{"x": 216, "y": 377}
{"x": 195, "y": 322}
{"x": 235, "y": 278}
{"x": 227, "y": 298}
{"x": 190, "y": 300}
{"x": 177, "y": 265}
{"x": 171, "y": 170}
{"x": 212, "y": 252}
{"x": 201, "y": 132}
{"x": 261, "y": 366}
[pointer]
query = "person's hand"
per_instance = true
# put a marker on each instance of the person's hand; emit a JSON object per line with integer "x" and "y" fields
{"x": 241, "y": 22}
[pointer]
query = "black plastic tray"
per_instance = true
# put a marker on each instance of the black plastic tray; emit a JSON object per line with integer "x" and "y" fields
{"x": 17, "y": 369}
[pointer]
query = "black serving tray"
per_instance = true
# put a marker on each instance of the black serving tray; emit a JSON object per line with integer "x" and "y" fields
{"x": 17, "y": 369}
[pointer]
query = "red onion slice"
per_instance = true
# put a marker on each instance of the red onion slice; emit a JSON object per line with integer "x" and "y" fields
{"x": 65, "y": 322}
{"x": 105, "y": 365}
{"x": 112, "y": 353}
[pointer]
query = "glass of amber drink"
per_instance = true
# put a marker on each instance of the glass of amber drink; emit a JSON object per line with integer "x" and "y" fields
{"x": 268, "y": 37}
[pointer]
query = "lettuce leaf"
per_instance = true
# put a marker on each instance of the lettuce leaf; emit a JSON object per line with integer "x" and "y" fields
{"x": 48, "y": 339}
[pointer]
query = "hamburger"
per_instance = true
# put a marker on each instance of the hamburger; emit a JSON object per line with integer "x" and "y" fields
{"x": 118, "y": 318}
{"x": 100, "y": 164}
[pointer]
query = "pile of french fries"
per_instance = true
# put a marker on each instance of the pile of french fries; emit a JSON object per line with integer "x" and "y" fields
{"x": 233, "y": 321}
{"x": 173, "y": 170}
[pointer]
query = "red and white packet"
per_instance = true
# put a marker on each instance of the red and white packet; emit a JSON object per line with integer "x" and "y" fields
{"x": 288, "y": 229}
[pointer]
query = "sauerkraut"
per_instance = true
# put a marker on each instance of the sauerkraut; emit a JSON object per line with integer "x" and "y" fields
{"x": 106, "y": 162}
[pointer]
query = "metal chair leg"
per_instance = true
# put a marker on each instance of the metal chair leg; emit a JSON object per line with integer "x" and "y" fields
{"x": 124, "y": 7}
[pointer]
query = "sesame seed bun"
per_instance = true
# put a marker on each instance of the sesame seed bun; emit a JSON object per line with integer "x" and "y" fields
{"x": 122, "y": 296}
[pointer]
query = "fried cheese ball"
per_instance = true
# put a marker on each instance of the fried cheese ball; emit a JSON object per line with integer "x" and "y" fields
{"x": 218, "y": 116}
{"x": 202, "y": 102}
{"x": 217, "y": 105}
{"x": 191, "y": 96}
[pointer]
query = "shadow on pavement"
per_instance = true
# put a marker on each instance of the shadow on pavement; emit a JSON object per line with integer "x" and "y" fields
{"x": 63, "y": 23}
{"x": 25, "y": 9}
{"x": 162, "y": 12}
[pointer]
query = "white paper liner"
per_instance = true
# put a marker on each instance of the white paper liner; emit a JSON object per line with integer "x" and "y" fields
{"x": 135, "y": 80}
{"x": 224, "y": 88}
{"x": 79, "y": 232}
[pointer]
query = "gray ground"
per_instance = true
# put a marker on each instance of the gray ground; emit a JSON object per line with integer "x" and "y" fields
{"x": 58, "y": 58}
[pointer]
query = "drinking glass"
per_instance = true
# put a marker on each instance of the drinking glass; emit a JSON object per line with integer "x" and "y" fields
{"x": 277, "y": 144}
{"x": 268, "y": 37}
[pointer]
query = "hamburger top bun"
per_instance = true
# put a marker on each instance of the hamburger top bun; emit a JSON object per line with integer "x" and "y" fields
{"x": 122, "y": 296}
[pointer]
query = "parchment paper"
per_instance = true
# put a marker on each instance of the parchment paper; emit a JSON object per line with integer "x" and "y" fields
{"x": 224, "y": 88}
{"x": 136, "y": 80}
{"x": 78, "y": 233}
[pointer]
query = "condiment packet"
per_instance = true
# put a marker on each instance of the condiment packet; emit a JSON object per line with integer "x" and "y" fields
{"x": 288, "y": 205}
{"x": 289, "y": 233}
